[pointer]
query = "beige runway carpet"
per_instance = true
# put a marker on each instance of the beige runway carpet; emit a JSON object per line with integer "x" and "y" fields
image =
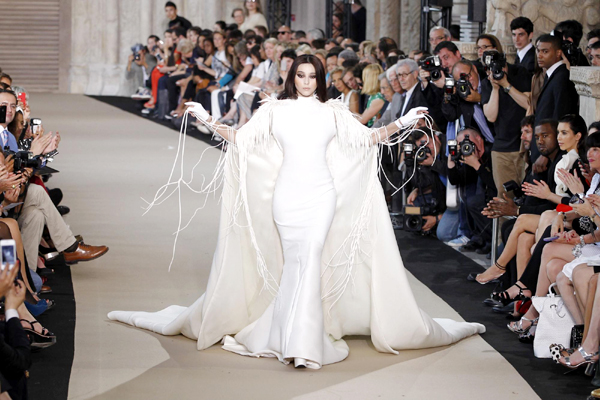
{"x": 109, "y": 160}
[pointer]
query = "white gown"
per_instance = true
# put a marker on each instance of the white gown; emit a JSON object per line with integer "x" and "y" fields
{"x": 313, "y": 257}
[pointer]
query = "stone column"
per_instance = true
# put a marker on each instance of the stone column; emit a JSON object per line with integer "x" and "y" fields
{"x": 587, "y": 83}
{"x": 410, "y": 22}
{"x": 389, "y": 15}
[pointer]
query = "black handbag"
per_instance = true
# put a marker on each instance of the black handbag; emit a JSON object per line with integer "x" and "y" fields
{"x": 576, "y": 336}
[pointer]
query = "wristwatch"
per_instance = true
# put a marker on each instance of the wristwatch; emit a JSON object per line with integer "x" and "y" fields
{"x": 507, "y": 89}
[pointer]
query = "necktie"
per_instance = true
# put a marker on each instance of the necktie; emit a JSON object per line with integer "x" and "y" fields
{"x": 4, "y": 138}
{"x": 402, "y": 99}
{"x": 546, "y": 79}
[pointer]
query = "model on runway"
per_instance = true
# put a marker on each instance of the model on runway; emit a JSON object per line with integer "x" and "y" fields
{"x": 306, "y": 251}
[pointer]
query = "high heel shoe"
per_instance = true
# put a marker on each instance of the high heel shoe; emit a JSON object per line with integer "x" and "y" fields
{"x": 504, "y": 298}
{"x": 587, "y": 358}
{"x": 518, "y": 326}
{"x": 494, "y": 279}
{"x": 300, "y": 363}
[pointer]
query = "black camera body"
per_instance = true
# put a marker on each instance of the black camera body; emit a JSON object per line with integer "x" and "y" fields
{"x": 495, "y": 62}
{"x": 413, "y": 217}
{"x": 463, "y": 86}
{"x": 462, "y": 149}
{"x": 571, "y": 52}
{"x": 422, "y": 153}
{"x": 24, "y": 159}
{"x": 512, "y": 186}
{"x": 433, "y": 65}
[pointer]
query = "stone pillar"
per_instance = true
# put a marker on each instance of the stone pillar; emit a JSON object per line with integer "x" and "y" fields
{"x": 587, "y": 83}
{"x": 410, "y": 23}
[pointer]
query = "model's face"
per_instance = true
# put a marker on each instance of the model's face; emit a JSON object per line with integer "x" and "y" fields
{"x": 567, "y": 139}
{"x": 449, "y": 58}
{"x": 526, "y": 136}
{"x": 338, "y": 82}
{"x": 350, "y": 81}
{"x": 407, "y": 79}
{"x": 306, "y": 80}
{"x": 547, "y": 55}
{"x": 520, "y": 38}
{"x": 331, "y": 63}
{"x": 8, "y": 100}
{"x": 483, "y": 45}
{"x": 238, "y": 17}
{"x": 545, "y": 138}
{"x": 171, "y": 13}
{"x": 436, "y": 37}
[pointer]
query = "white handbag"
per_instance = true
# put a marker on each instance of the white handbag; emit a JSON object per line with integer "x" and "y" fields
{"x": 554, "y": 325}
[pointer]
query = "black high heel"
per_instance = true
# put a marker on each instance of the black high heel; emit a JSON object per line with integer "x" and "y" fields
{"x": 504, "y": 298}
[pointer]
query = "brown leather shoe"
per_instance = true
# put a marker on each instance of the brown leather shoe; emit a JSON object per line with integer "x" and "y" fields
{"x": 84, "y": 252}
{"x": 45, "y": 289}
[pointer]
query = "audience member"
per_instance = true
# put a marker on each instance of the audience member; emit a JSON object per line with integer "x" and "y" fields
{"x": 174, "y": 19}
{"x": 438, "y": 34}
{"x": 253, "y": 15}
{"x": 522, "y": 35}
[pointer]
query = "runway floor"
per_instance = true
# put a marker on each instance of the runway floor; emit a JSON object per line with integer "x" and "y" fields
{"x": 109, "y": 159}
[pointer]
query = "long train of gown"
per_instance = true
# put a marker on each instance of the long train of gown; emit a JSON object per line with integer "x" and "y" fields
{"x": 337, "y": 270}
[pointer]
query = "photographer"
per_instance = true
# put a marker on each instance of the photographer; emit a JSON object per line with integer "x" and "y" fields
{"x": 505, "y": 113}
{"x": 140, "y": 64}
{"x": 572, "y": 32}
{"x": 558, "y": 96}
{"x": 429, "y": 181}
{"x": 470, "y": 169}
{"x": 15, "y": 351}
{"x": 462, "y": 101}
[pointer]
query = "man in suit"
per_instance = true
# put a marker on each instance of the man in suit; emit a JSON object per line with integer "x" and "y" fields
{"x": 407, "y": 71}
{"x": 15, "y": 353}
{"x": 558, "y": 96}
{"x": 522, "y": 34}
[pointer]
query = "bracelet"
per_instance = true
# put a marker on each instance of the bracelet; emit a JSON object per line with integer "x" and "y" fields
{"x": 398, "y": 124}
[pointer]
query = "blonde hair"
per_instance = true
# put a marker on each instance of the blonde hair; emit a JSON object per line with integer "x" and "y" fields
{"x": 303, "y": 49}
{"x": 370, "y": 79}
{"x": 366, "y": 44}
{"x": 272, "y": 41}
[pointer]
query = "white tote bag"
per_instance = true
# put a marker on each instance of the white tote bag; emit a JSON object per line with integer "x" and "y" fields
{"x": 554, "y": 325}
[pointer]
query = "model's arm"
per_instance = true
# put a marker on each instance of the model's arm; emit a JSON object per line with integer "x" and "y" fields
{"x": 382, "y": 134}
{"x": 226, "y": 132}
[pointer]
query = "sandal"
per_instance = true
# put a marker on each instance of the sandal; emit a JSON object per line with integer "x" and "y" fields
{"x": 504, "y": 298}
{"x": 517, "y": 327}
{"x": 37, "y": 339}
{"x": 494, "y": 279}
{"x": 587, "y": 359}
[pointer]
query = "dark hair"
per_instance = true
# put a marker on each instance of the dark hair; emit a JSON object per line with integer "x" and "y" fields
{"x": 262, "y": 29}
{"x": 595, "y": 45}
{"x": 330, "y": 54}
{"x": 299, "y": 34}
{"x": 289, "y": 90}
{"x": 554, "y": 40}
{"x": 5, "y": 75}
{"x": 425, "y": 53}
{"x": 577, "y": 125}
{"x": 386, "y": 44}
{"x": 335, "y": 50}
{"x": 156, "y": 38}
{"x": 339, "y": 16}
{"x": 318, "y": 43}
{"x": 4, "y": 85}
{"x": 179, "y": 31}
{"x": 249, "y": 34}
{"x": 170, "y": 4}
{"x": 528, "y": 121}
{"x": 205, "y": 32}
{"x": 595, "y": 125}
{"x": 289, "y": 53}
{"x": 522, "y": 22}
{"x": 455, "y": 31}
{"x": 492, "y": 39}
{"x": 255, "y": 51}
{"x": 570, "y": 29}
{"x": 222, "y": 24}
{"x": 12, "y": 93}
{"x": 212, "y": 43}
{"x": 357, "y": 71}
{"x": 451, "y": 47}
{"x": 549, "y": 121}
{"x": 237, "y": 9}
{"x": 419, "y": 133}
{"x": 196, "y": 29}
{"x": 595, "y": 33}
{"x": 235, "y": 34}
{"x": 352, "y": 46}
{"x": 592, "y": 140}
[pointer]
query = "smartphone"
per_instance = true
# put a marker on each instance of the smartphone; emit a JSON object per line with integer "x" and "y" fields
{"x": 35, "y": 125}
{"x": 284, "y": 65}
{"x": 551, "y": 239}
{"x": 2, "y": 113}
{"x": 8, "y": 254}
{"x": 23, "y": 98}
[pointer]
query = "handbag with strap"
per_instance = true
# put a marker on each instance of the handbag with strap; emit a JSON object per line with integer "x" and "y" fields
{"x": 554, "y": 325}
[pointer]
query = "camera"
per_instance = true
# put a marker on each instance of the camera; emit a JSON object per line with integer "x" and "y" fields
{"x": 413, "y": 216}
{"x": 35, "y": 125}
{"x": 495, "y": 62}
{"x": 463, "y": 86}
{"x": 448, "y": 89}
{"x": 512, "y": 186}
{"x": 422, "y": 153}
{"x": 462, "y": 149}
{"x": 24, "y": 159}
{"x": 433, "y": 65}
{"x": 136, "y": 50}
{"x": 408, "y": 149}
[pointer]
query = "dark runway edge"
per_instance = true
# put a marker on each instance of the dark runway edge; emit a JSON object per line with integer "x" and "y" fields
{"x": 444, "y": 270}
{"x": 51, "y": 369}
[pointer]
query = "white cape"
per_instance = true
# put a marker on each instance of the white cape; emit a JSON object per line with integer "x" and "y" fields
{"x": 365, "y": 290}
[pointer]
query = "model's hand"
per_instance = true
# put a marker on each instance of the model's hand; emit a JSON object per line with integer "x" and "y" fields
{"x": 412, "y": 115}
{"x": 197, "y": 110}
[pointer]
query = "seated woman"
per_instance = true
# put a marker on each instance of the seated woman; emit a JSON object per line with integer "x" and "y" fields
{"x": 572, "y": 132}
{"x": 349, "y": 96}
{"x": 370, "y": 78}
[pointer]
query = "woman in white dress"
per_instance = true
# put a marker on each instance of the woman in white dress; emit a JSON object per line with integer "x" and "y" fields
{"x": 306, "y": 252}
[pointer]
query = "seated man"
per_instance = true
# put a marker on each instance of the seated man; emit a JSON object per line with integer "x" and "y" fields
{"x": 472, "y": 173}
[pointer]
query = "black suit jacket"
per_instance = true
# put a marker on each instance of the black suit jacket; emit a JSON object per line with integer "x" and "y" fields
{"x": 15, "y": 357}
{"x": 417, "y": 99}
{"x": 528, "y": 61}
{"x": 557, "y": 98}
